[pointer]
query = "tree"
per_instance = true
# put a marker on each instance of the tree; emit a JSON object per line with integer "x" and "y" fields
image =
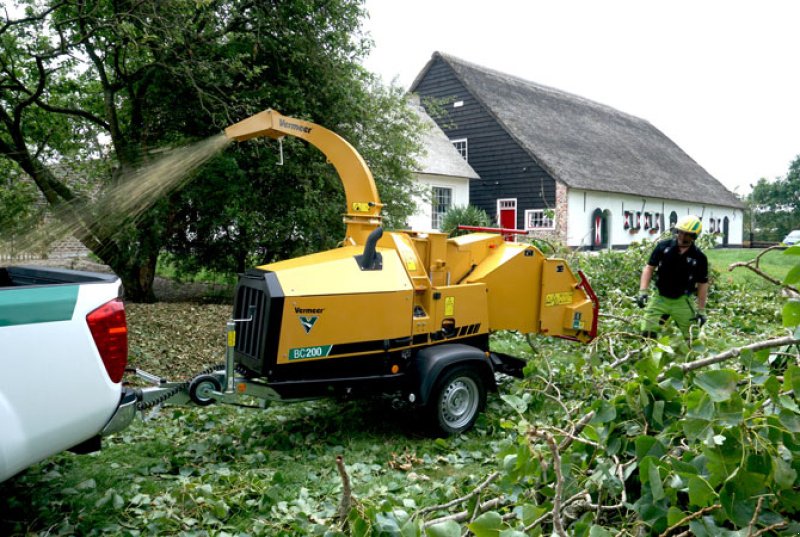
{"x": 109, "y": 83}
{"x": 17, "y": 206}
{"x": 775, "y": 206}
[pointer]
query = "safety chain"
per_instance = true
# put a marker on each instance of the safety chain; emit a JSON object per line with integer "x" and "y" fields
{"x": 142, "y": 405}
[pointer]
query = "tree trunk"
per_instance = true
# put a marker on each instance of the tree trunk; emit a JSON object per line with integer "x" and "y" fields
{"x": 138, "y": 281}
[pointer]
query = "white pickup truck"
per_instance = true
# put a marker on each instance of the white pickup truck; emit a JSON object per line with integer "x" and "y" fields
{"x": 63, "y": 351}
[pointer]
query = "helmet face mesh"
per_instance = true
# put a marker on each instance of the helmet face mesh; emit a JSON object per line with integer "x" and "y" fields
{"x": 689, "y": 224}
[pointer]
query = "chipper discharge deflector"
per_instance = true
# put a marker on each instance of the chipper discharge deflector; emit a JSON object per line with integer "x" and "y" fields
{"x": 400, "y": 313}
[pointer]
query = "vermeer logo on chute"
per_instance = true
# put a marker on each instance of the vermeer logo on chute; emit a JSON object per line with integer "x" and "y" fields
{"x": 293, "y": 126}
{"x": 308, "y": 323}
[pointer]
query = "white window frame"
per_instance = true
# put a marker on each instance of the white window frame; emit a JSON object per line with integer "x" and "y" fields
{"x": 545, "y": 222}
{"x": 437, "y": 216}
{"x": 463, "y": 151}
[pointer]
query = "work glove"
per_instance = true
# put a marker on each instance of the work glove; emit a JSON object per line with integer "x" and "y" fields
{"x": 701, "y": 316}
{"x": 641, "y": 300}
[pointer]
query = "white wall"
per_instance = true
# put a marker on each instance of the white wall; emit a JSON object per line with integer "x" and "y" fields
{"x": 581, "y": 205}
{"x": 421, "y": 219}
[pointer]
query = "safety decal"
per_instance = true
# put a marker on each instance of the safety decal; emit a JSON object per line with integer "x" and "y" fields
{"x": 308, "y": 323}
{"x": 577, "y": 324}
{"x": 304, "y": 353}
{"x": 449, "y": 306}
{"x": 558, "y": 299}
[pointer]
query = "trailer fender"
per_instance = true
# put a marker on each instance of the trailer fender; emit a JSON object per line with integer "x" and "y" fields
{"x": 431, "y": 362}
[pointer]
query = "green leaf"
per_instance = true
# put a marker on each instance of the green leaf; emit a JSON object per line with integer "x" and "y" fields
{"x": 675, "y": 515}
{"x": 739, "y": 496}
{"x": 515, "y": 402}
{"x": 785, "y": 475}
{"x": 512, "y": 533}
{"x": 448, "y": 528}
{"x": 696, "y": 429}
{"x": 792, "y": 379}
{"x": 793, "y": 276}
{"x": 487, "y": 525}
{"x": 648, "y": 368}
{"x": 527, "y": 513}
{"x": 700, "y": 492}
{"x": 792, "y": 250}
{"x": 649, "y": 446}
{"x": 656, "y": 486}
{"x": 731, "y": 412}
{"x": 719, "y": 384}
{"x": 604, "y": 412}
{"x": 791, "y": 313}
{"x": 790, "y": 420}
{"x": 599, "y": 531}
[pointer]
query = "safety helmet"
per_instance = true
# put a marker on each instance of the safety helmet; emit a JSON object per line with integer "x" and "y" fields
{"x": 689, "y": 224}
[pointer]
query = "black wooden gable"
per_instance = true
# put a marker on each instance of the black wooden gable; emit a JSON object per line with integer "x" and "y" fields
{"x": 506, "y": 170}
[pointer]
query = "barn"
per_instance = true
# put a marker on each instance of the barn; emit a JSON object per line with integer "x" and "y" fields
{"x": 564, "y": 167}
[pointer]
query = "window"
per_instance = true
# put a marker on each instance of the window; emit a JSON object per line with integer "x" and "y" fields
{"x": 539, "y": 219}
{"x": 442, "y": 202}
{"x": 461, "y": 147}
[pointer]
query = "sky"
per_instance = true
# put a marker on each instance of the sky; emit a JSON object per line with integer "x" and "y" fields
{"x": 719, "y": 78}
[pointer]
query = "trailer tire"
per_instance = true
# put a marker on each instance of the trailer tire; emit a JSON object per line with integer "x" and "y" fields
{"x": 199, "y": 389}
{"x": 457, "y": 399}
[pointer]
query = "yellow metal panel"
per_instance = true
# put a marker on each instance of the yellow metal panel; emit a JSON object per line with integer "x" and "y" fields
{"x": 412, "y": 262}
{"x": 513, "y": 275}
{"x": 337, "y": 272}
{"x": 465, "y": 304}
{"x": 565, "y": 309}
{"x": 314, "y": 325}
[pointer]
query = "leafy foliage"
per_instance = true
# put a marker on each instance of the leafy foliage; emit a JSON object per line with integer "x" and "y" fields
{"x": 467, "y": 215}
{"x": 622, "y": 437}
{"x": 775, "y": 205}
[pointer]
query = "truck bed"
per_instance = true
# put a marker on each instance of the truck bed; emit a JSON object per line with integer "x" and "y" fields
{"x": 17, "y": 276}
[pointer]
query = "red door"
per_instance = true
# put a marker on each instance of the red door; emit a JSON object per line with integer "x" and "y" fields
{"x": 507, "y": 214}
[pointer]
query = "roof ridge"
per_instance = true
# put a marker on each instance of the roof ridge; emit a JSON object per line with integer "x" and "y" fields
{"x": 539, "y": 86}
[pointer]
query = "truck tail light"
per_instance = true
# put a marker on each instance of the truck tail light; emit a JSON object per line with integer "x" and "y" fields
{"x": 110, "y": 333}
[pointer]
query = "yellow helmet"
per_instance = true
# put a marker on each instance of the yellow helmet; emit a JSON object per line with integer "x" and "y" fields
{"x": 689, "y": 224}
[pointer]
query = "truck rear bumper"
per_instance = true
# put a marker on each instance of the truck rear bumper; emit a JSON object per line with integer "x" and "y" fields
{"x": 123, "y": 415}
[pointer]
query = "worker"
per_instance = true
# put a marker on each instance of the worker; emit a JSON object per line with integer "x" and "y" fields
{"x": 681, "y": 271}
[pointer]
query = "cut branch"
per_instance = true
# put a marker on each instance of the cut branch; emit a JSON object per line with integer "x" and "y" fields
{"x": 462, "y": 499}
{"x": 347, "y": 493}
{"x": 733, "y": 353}
{"x": 753, "y": 265}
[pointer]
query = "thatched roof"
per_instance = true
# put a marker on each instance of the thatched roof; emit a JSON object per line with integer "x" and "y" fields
{"x": 585, "y": 144}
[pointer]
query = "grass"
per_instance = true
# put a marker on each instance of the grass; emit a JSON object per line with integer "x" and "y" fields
{"x": 230, "y": 470}
{"x": 774, "y": 263}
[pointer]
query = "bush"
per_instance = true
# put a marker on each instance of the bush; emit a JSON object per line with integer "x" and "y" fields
{"x": 468, "y": 215}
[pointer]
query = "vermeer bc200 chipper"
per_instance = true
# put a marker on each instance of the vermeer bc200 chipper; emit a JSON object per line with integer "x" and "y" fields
{"x": 401, "y": 313}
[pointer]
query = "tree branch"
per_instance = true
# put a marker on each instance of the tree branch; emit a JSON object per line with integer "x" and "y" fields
{"x": 347, "y": 493}
{"x": 477, "y": 490}
{"x": 753, "y": 265}
{"x": 558, "y": 525}
{"x": 733, "y": 353}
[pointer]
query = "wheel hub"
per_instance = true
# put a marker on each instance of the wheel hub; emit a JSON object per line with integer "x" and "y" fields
{"x": 459, "y": 402}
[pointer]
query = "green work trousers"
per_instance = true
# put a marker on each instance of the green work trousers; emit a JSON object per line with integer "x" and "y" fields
{"x": 661, "y": 309}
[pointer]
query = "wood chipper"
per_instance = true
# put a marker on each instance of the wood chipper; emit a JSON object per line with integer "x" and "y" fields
{"x": 402, "y": 313}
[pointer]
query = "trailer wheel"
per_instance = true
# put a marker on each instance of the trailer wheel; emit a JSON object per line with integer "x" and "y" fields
{"x": 457, "y": 399}
{"x": 200, "y": 389}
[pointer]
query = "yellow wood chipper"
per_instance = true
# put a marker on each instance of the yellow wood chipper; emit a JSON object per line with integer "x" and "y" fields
{"x": 388, "y": 312}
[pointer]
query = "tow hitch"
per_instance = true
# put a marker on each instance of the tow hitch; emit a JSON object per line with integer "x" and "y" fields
{"x": 217, "y": 384}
